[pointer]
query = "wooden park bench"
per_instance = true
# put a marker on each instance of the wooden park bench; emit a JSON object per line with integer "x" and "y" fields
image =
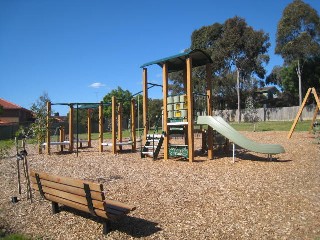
{"x": 79, "y": 194}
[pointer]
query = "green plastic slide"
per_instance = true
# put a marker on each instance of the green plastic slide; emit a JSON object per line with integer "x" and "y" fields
{"x": 222, "y": 127}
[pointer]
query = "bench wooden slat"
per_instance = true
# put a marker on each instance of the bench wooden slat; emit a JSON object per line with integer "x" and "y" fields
{"x": 101, "y": 213}
{"x": 119, "y": 205}
{"x": 66, "y": 188}
{"x": 68, "y": 181}
{"x": 102, "y": 208}
{"x": 78, "y": 194}
{"x": 108, "y": 205}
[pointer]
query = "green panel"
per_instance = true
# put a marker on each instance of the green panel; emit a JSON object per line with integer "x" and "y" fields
{"x": 177, "y": 150}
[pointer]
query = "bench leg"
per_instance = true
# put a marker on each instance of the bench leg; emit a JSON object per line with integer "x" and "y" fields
{"x": 55, "y": 207}
{"x": 106, "y": 227}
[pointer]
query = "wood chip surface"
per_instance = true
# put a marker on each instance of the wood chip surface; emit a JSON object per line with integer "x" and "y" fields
{"x": 253, "y": 198}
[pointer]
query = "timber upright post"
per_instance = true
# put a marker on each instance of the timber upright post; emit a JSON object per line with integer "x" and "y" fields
{"x": 133, "y": 125}
{"x": 299, "y": 113}
{"x": 89, "y": 127}
{"x": 114, "y": 125}
{"x": 120, "y": 124}
{"x": 145, "y": 103}
{"x": 165, "y": 111}
{"x": 190, "y": 109}
{"x": 62, "y": 137}
{"x": 48, "y": 128}
{"x": 100, "y": 127}
{"x": 71, "y": 128}
{"x": 185, "y": 128}
{"x": 209, "y": 111}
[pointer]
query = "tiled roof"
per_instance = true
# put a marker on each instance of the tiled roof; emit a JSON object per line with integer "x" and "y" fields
{"x": 9, "y": 105}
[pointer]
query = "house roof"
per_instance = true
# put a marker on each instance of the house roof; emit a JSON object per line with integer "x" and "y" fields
{"x": 9, "y": 105}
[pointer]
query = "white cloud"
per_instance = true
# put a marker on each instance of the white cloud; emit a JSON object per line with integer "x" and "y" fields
{"x": 97, "y": 85}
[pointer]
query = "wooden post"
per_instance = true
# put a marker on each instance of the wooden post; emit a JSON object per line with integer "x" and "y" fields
{"x": 100, "y": 127}
{"x": 62, "y": 137}
{"x": 71, "y": 128}
{"x": 185, "y": 80}
{"x": 314, "y": 118}
{"x": 316, "y": 97}
{"x": 133, "y": 125}
{"x": 48, "y": 128}
{"x": 185, "y": 128}
{"x": 316, "y": 109}
{"x": 299, "y": 113}
{"x": 120, "y": 124}
{"x": 89, "y": 127}
{"x": 145, "y": 103}
{"x": 190, "y": 109}
{"x": 165, "y": 111}
{"x": 114, "y": 125}
{"x": 209, "y": 111}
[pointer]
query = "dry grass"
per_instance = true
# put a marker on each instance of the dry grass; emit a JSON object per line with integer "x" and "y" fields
{"x": 208, "y": 199}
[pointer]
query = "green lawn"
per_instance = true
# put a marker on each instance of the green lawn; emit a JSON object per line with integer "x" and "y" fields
{"x": 272, "y": 126}
{"x": 260, "y": 126}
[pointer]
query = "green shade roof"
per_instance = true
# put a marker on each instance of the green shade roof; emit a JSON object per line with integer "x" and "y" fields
{"x": 177, "y": 62}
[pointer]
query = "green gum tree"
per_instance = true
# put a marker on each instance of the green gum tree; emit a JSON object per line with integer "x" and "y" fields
{"x": 298, "y": 36}
{"x": 244, "y": 49}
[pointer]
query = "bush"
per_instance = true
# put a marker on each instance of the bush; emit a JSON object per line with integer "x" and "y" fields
{"x": 5, "y": 147}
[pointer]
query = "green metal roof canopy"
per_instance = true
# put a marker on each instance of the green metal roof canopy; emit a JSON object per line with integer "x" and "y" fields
{"x": 178, "y": 62}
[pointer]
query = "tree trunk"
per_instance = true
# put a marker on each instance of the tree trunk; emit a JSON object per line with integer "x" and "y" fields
{"x": 238, "y": 93}
{"x": 299, "y": 72}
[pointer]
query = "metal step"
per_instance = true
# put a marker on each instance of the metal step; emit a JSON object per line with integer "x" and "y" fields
{"x": 148, "y": 153}
{"x": 150, "y": 146}
{"x": 154, "y": 135}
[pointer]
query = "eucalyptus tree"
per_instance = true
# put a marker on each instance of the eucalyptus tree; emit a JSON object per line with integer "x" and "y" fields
{"x": 203, "y": 38}
{"x": 243, "y": 49}
{"x": 233, "y": 46}
{"x": 298, "y": 37}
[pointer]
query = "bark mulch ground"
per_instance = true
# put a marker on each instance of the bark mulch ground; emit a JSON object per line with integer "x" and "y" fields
{"x": 252, "y": 198}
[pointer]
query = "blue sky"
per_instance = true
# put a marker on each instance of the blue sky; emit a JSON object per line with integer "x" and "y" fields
{"x": 79, "y": 50}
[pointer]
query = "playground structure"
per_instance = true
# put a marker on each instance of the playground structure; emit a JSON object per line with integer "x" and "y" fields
{"x": 117, "y": 114}
{"x": 117, "y": 140}
{"x": 179, "y": 111}
{"x": 178, "y": 115}
{"x": 185, "y": 62}
{"x": 70, "y": 142}
{"x": 316, "y": 97}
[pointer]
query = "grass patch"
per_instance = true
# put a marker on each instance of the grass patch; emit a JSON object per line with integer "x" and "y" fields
{"x": 5, "y": 146}
{"x": 14, "y": 237}
{"x": 272, "y": 126}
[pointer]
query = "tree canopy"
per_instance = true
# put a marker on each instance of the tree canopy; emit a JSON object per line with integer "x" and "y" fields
{"x": 234, "y": 47}
{"x": 298, "y": 38}
{"x": 121, "y": 95}
{"x": 298, "y": 32}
